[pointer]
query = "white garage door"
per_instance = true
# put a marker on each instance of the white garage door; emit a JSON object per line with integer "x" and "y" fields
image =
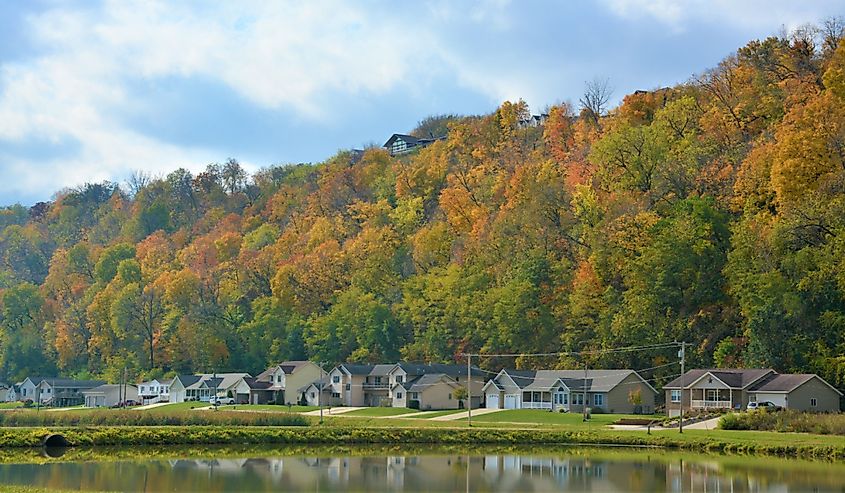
{"x": 492, "y": 401}
{"x": 512, "y": 401}
{"x": 778, "y": 399}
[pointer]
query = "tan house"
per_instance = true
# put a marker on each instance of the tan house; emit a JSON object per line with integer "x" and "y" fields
{"x": 281, "y": 383}
{"x": 109, "y": 395}
{"x": 702, "y": 389}
{"x": 613, "y": 391}
{"x": 427, "y": 392}
{"x": 352, "y": 384}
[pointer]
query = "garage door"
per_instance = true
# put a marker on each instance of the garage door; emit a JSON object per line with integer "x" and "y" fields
{"x": 512, "y": 401}
{"x": 492, "y": 401}
{"x": 778, "y": 399}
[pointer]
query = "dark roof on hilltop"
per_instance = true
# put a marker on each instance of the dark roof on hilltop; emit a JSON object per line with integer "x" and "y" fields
{"x": 734, "y": 378}
{"x": 407, "y": 138}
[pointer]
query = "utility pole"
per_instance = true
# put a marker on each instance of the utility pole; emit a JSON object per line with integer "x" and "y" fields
{"x": 682, "y": 354}
{"x": 469, "y": 391}
{"x": 584, "y": 406}
{"x": 320, "y": 392}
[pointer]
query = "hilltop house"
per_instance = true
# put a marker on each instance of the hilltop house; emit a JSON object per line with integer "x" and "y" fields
{"x": 280, "y": 384}
{"x": 400, "y": 143}
{"x": 734, "y": 388}
{"x": 533, "y": 121}
{"x": 201, "y": 387}
{"x": 64, "y": 392}
{"x": 154, "y": 391}
{"x": 109, "y": 395}
{"x": 613, "y": 391}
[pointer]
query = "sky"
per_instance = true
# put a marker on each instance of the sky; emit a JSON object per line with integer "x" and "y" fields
{"x": 94, "y": 90}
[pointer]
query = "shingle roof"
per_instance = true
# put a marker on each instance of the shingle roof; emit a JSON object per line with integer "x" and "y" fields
{"x": 423, "y": 382}
{"x": 521, "y": 378}
{"x": 447, "y": 369}
{"x": 596, "y": 380}
{"x": 782, "y": 383}
{"x": 410, "y": 139}
{"x": 255, "y": 384}
{"x": 356, "y": 369}
{"x": 187, "y": 380}
{"x": 69, "y": 382}
{"x": 734, "y": 378}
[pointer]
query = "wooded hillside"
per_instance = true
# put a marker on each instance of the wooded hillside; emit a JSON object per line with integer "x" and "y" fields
{"x": 712, "y": 212}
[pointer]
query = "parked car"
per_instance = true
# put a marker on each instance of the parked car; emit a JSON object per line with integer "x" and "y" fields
{"x": 767, "y": 405}
{"x": 221, "y": 401}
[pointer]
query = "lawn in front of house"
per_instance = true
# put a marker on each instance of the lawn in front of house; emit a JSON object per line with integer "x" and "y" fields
{"x": 381, "y": 411}
{"x": 176, "y": 406}
{"x": 537, "y": 416}
{"x": 11, "y": 405}
{"x": 272, "y": 408}
{"x": 435, "y": 414}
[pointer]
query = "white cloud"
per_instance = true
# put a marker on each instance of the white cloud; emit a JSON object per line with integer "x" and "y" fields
{"x": 748, "y": 14}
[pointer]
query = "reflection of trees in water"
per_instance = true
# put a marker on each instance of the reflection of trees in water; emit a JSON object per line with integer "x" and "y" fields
{"x": 425, "y": 472}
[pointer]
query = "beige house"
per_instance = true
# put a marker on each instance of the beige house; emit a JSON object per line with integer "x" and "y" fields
{"x": 352, "y": 384}
{"x": 702, "y": 389}
{"x": 281, "y": 383}
{"x": 109, "y": 395}
{"x": 614, "y": 391}
{"x": 427, "y": 392}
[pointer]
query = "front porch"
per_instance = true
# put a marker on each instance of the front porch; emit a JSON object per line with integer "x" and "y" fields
{"x": 545, "y": 400}
{"x": 711, "y": 399}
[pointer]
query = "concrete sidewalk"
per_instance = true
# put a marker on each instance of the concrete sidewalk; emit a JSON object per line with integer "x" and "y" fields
{"x": 710, "y": 424}
{"x": 334, "y": 411}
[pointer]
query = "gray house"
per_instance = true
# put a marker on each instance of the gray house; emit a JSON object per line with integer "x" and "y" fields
{"x": 613, "y": 391}
{"x": 719, "y": 388}
{"x": 64, "y": 392}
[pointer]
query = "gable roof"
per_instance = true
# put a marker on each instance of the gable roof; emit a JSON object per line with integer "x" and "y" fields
{"x": 423, "y": 382}
{"x": 596, "y": 380}
{"x": 786, "y": 383}
{"x": 255, "y": 384}
{"x": 186, "y": 380}
{"x": 410, "y": 139}
{"x": 287, "y": 367}
{"x": 69, "y": 382}
{"x": 380, "y": 370}
{"x": 105, "y": 387}
{"x": 34, "y": 380}
{"x": 447, "y": 369}
{"x": 733, "y": 378}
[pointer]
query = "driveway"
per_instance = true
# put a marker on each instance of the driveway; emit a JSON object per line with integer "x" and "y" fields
{"x": 710, "y": 424}
{"x": 332, "y": 411}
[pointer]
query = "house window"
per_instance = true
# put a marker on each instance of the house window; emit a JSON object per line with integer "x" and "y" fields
{"x": 414, "y": 395}
{"x": 813, "y": 402}
{"x": 336, "y": 379}
{"x": 312, "y": 395}
{"x": 398, "y": 395}
{"x": 336, "y": 395}
{"x": 676, "y": 396}
{"x": 564, "y": 399}
{"x": 450, "y": 397}
{"x": 398, "y": 378}
{"x": 142, "y": 389}
{"x": 598, "y": 400}
{"x": 348, "y": 387}
{"x": 278, "y": 379}
{"x": 378, "y": 380}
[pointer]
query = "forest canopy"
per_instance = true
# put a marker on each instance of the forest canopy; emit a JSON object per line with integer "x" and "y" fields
{"x": 712, "y": 212}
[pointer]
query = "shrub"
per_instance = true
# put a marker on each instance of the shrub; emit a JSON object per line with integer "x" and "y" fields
{"x": 143, "y": 418}
{"x": 785, "y": 421}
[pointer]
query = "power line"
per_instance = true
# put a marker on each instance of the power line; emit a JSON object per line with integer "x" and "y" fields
{"x": 665, "y": 345}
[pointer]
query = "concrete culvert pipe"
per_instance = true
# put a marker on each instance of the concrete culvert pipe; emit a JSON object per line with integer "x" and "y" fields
{"x": 54, "y": 440}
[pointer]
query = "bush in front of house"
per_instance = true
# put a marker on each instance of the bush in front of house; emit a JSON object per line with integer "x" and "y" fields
{"x": 785, "y": 421}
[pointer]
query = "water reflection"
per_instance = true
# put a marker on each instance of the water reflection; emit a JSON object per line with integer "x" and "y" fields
{"x": 630, "y": 471}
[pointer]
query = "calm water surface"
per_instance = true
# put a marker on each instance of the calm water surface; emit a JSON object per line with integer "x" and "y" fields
{"x": 373, "y": 470}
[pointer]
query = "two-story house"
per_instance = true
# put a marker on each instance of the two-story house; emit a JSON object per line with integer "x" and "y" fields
{"x": 432, "y": 386}
{"x": 64, "y": 392}
{"x": 351, "y": 384}
{"x": 614, "y": 391}
{"x": 281, "y": 383}
{"x": 154, "y": 391}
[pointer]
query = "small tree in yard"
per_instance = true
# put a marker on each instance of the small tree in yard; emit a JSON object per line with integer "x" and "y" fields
{"x": 461, "y": 394}
{"x": 635, "y": 397}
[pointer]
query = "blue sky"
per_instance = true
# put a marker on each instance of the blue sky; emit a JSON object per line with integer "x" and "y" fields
{"x": 91, "y": 91}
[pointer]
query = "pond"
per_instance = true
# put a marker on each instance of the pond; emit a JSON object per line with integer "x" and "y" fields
{"x": 394, "y": 469}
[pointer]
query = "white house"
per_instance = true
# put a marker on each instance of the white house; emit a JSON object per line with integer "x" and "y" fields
{"x": 201, "y": 387}
{"x": 29, "y": 389}
{"x": 63, "y": 392}
{"x": 12, "y": 393}
{"x": 109, "y": 395}
{"x": 154, "y": 391}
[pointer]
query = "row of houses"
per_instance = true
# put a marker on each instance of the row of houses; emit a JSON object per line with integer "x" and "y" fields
{"x": 448, "y": 386}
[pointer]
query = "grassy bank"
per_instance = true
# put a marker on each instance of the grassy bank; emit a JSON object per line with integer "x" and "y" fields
{"x": 724, "y": 442}
{"x": 786, "y": 421}
{"x": 148, "y": 418}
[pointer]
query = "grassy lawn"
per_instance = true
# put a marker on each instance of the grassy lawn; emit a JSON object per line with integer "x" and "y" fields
{"x": 176, "y": 406}
{"x": 270, "y": 407}
{"x": 435, "y": 414}
{"x": 381, "y": 411}
{"x": 11, "y": 405}
{"x": 536, "y": 416}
